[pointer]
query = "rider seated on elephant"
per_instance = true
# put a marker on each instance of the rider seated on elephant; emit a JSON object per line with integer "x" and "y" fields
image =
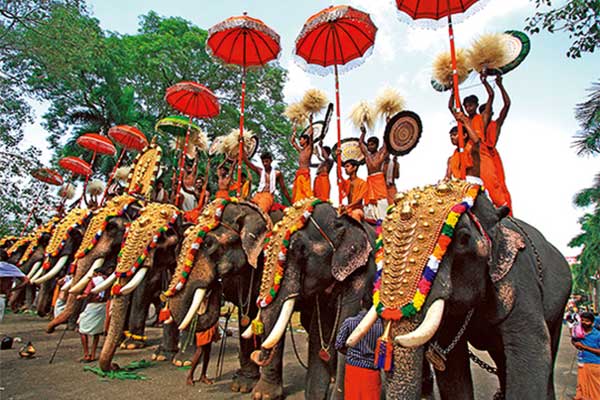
{"x": 322, "y": 186}
{"x": 376, "y": 197}
{"x": 362, "y": 379}
{"x": 355, "y": 189}
{"x": 301, "y": 189}
{"x": 470, "y": 155}
{"x": 269, "y": 178}
{"x": 91, "y": 320}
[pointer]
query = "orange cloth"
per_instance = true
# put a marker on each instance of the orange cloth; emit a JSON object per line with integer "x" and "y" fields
{"x": 356, "y": 189}
{"x": 208, "y": 336}
{"x": 361, "y": 383}
{"x": 192, "y": 215}
{"x": 245, "y": 189}
{"x": 492, "y": 171}
{"x": 588, "y": 382}
{"x": 55, "y": 294}
{"x": 264, "y": 200}
{"x": 477, "y": 125}
{"x": 322, "y": 186}
{"x": 222, "y": 194}
{"x": 454, "y": 161}
{"x": 301, "y": 188}
{"x": 376, "y": 188}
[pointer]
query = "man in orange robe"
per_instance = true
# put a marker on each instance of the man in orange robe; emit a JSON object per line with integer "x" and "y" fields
{"x": 301, "y": 189}
{"x": 471, "y": 150}
{"x": 355, "y": 189}
{"x": 322, "y": 186}
{"x": 376, "y": 198}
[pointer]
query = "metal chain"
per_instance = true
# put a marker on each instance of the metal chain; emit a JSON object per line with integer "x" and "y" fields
{"x": 457, "y": 338}
{"x": 482, "y": 364}
{"x": 248, "y": 298}
{"x": 538, "y": 259}
{"x": 295, "y": 348}
{"x": 335, "y": 324}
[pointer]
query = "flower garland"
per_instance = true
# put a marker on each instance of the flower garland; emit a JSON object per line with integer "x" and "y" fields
{"x": 190, "y": 257}
{"x": 84, "y": 214}
{"x": 433, "y": 263}
{"x": 111, "y": 213}
{"x": 265, "y": 299}
{"x": 37, "y": 235}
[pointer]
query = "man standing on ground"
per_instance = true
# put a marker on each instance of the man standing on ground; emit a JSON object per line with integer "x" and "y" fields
{"x": 588, "y": 374}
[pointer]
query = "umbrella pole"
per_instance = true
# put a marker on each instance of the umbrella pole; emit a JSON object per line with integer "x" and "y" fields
{"x": 35, "y": 204}
{"x": 64, "y": 198}
{"x": 87, "y": 178}
{"x": 461, "y": 144}
{"x": 339, "y": 133}
{"x": 181, "y": 161}
{"x": 112, "y": 175}
{"x": 241, "y": 145}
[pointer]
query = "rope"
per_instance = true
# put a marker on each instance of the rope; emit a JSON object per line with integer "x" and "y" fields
{"x": 295, "y": 348}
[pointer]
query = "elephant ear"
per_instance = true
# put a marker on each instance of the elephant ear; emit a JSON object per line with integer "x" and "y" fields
{"x": 353, "y": 251}
{"x": 253, "y": 234}
{"x": 507, "y": 244}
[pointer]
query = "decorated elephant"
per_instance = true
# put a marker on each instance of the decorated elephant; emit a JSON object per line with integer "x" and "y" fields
{"x": 220, "y": 253}
{"x": 146, "y": 259}
{"x": 320, "y": 264}
{"x": 98, "y": 250}
{"x": 30, "y": 261}
{"x": 60, "y": 252}
{"x": 455, "y": 269}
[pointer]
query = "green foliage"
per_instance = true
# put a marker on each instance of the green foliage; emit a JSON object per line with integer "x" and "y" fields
{"x": 580, "y": 18}
{"x": 587, "y": 141}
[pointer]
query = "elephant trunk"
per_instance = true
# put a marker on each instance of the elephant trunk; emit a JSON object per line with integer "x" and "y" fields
{"x": 80, "y": 282}
{"x": 64, "y": 316}
{"x": 44, "y": 302}
{"x": 117, "y": 323}
{"x": 404, "y": 380}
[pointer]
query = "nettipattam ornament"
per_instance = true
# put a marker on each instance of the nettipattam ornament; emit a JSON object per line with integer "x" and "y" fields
{"x": 37, "y": 235}
{"x": 145, "y": 171}
{"x": 74, "y": 219}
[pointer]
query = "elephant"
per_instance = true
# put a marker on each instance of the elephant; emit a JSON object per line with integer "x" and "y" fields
{"x": 228, "y": 261}
{"x": 98, "y": 250}
{"x": 60, "y": 252}
{"x": 147, "y": 258}
{"x": 500, "y": 286}
{"x": 327, "y": 272}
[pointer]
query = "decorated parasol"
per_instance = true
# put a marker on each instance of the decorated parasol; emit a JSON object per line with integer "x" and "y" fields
{"x": 130, "y": 138}
{"x": 96, "y": 144}
{"x": 45, "y": 175}
{"x": 433, "y": 13}
{"x": 247, "y": 42}
{"x": 75, "y": 165}
{"x": 335, "y": 39}
{"x": 193, "y": 100}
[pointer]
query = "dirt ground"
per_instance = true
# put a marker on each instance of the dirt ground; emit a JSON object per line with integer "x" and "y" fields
{"x": 65, "y": 378}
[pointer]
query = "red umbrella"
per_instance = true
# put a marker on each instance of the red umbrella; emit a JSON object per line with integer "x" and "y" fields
{"x": 97, "y": 144}
{"x": 336, "y": 36}
{"x": 194, "y": 100}
{"x": 47, "y": 175}
{"x": 76, "y": 165}
{"x": 130, "y": 138}
{"x": 243, "y": 41}
{"x": 433, "y": 12}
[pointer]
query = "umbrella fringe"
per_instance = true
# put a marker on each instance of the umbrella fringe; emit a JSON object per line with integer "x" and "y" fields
{"x": 433, "y": 24}
{"x": 323, "y": 71}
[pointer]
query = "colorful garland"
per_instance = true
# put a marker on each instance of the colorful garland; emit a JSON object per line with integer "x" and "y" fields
{"x": 84, "y": 215}
{"x": 191, "y": 254}
{"x": 265, "y": 299}
{"x": 116, "y": 289}
{"x": 433, "y": 263}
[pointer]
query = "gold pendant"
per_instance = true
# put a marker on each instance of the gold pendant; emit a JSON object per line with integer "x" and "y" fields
{"x": 435, "y": 358}
{"x": 324, "y": 355}
{"x": 245, "y": 321}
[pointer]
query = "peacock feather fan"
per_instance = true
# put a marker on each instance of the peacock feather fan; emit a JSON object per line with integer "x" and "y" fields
{"x": 442, "y": 67}
{"x": 488, "y": 52}
{"x": 296, "y": 113}
{"x": 314, "y": 100}
{"x": 362, "y": 115}
{"x": 388, "y": 103}
{"x": 67, "y": 191}
{"x": 95, "y": 188}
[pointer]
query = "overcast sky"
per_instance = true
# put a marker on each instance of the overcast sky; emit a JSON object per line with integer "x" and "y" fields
{"x": 543, "y": 172}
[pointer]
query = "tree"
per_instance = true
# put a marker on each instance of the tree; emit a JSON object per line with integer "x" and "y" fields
{"x": 587, "y": 141}
{"x": 580, "y": 18}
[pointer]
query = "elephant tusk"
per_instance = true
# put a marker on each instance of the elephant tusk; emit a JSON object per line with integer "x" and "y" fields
{"x": 67, "y": 285}
{"x": 79, "y": 286}
{"x": 426, "y": 330}
{"x": 196, "y": 302}
{"x": 34, "y": 269}
{"x": 279, "y": 328}
{"x": 134, "y": 282}
{"x": 362, "y": 328}
{"x": 249, "y": 331}
{"x": 105, "y": 284}
{"x": 53, "y": 272}
{"x": 36, "y": 275}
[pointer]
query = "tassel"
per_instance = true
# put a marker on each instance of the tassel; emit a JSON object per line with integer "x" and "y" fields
{"x": 258, "y": 328}
{"x": 384, "y": 350}
{"x": 164, "y": 314}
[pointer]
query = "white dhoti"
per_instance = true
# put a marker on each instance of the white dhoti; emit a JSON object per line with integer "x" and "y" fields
{"x": 91, "y": 320}
{"x": 376, "y": 211}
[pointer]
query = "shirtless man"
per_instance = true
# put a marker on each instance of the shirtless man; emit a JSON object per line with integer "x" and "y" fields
{"x": 376, "y": 197}
{"x": 391, "y": 170}
{"x": 301, "y": 188}
{"x": 322, "y": 186}
{"x": 224, "y": 175}
{"x": 269, "y": 178}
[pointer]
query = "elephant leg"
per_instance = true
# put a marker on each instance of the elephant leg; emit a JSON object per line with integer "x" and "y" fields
{"x": 187, "y": 349}
{"x": 168, "y": 346}
{"x": 29, "y": 296}
{"x": 270, "y": 384}
{"x": 320, "y": 373}
{"x": 527, "y": 349}
{"x": 456, "y": 382}
{"x": 249, "y": 373}
{"x": 555, "y": 331}
{"x": 140, "y": 302}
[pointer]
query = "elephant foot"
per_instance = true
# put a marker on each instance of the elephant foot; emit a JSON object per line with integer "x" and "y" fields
{"x": 267, "y": 391}
{"x": 243, "y": 384}
{"x": 132, "y": 344}
{"x": 181, "y": 363}
{"x": 162, "y": 355}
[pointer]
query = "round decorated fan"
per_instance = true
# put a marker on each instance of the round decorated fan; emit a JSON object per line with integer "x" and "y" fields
{"x": 402, "y": 133}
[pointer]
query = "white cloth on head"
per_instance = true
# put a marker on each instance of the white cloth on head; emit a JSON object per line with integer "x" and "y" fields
{"x": 263, "y": 180}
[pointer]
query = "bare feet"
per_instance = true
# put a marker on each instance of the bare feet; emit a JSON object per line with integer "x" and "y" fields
{"x": 205, "y": 380}
{"x": 189, "y": 380}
